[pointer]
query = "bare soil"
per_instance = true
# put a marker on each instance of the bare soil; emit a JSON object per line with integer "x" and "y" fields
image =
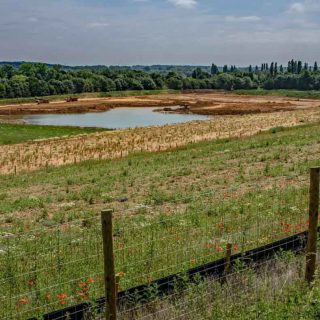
{"x": 205, "y": 103}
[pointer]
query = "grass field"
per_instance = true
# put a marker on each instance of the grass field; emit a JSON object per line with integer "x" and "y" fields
{"x": 127, "y": 93}
{"x": 180, "y": 209}
{"x": 276, "y": 290}
{"x": 18, "y": 133}
{"x": 281, "y": 93}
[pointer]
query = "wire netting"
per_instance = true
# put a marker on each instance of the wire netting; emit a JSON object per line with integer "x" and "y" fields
{"x": 43, "y": 270}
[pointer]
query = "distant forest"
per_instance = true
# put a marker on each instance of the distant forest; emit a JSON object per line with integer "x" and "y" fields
{"x": 24, "y": 79}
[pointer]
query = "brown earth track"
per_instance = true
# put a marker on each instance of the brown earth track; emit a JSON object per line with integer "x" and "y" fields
{"x": 206, "y": 103}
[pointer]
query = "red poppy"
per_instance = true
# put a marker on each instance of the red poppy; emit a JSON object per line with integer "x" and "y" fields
{"x": 24, "y": 300}
{"x": 48, "y": 296}
{"x": 82, "y": 285}
{"x": 90, "y": 280}
{"x": 62, "y": 296}
{"x": 62, "y": 302}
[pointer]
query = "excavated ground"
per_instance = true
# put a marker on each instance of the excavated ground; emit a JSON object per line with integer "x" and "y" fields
{"x": 205, "y": 103}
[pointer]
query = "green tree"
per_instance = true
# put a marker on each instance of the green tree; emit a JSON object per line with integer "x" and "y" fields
{"x": 148, "y": 83}
{"x": 198, "y": 73}
{"x": 121, "y": 84}
{"x": 68, "y": 86}
{"x": 175, "y": 83}
{"x": 299, "y": 67}
{"x": 225, "y": 81}
{"x": 134, "y": 84}
{"x": 78, "y": 84}
{"x": 38, "y": 87}
{"x": 271, "y": 69}
{"x": 2, "y": 90}
{"x": 88, "y": 86}
{"x": 214, "y": 69}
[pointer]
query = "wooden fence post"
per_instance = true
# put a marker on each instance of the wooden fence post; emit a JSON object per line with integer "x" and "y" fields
{"x": 311, "y": 254}
{"x": 109, "y": 272}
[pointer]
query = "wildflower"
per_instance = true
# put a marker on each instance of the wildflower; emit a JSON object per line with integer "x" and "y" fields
{"x": 218, "y": 249}
{"x": 24, "y": 300}
{"x": 48, "y": 296}
{"x": 221, "y": 226}
{"x": 235, "y": 248}
{"x": 31, "y": 283}
{"x": 82, "y": 285}
{"x": 90, "y": 280}
{"x": 62, "y": 296}
{"x": 121, "y": 274}
{"x": 81, "y": 293}
{"x": 62, "y": 302}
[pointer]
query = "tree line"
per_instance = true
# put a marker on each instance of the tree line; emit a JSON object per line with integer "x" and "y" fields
{"x": 38, "y": 79}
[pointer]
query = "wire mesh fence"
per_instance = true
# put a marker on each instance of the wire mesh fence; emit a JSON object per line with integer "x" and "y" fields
{"x": 60, "y": 266}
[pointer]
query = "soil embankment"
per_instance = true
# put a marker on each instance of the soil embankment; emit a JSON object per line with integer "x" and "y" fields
{"x": 204, "y": 103}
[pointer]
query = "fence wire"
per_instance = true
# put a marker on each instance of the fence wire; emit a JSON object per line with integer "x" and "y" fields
{"x": 43, "y": 270}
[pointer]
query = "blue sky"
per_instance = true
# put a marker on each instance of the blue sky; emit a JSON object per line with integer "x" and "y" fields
{"x": 127, "y": 32}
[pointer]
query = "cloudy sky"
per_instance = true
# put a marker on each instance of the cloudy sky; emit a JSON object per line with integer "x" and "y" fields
{"x": 127, "y": 32}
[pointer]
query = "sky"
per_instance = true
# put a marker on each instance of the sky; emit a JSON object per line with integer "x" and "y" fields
{"x": 128, "y": 32}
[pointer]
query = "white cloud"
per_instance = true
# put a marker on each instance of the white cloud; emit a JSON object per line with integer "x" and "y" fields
{"x": 297, "y": 7}
{"x": 306, "y": 6}
{"x": 243, "y": 19}
{"x": 93, "y": 25}
{"x": 184, "y": 3}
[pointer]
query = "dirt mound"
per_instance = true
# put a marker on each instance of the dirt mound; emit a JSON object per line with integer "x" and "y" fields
{"x": 204, "y": 102}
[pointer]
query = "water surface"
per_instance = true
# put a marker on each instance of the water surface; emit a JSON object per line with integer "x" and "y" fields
{"x": 119, "y": 118}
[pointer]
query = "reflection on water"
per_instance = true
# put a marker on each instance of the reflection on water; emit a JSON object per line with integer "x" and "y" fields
{"x": 119, "y": 118}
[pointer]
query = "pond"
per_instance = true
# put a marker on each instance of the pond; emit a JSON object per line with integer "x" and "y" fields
{"x": 119, "y": 118}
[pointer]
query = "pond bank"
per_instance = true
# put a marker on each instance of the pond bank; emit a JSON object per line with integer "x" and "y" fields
{"x": 204, "y": 103}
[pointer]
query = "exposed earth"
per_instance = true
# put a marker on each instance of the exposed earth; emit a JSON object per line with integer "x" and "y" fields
{"x": 204, "y": 103}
